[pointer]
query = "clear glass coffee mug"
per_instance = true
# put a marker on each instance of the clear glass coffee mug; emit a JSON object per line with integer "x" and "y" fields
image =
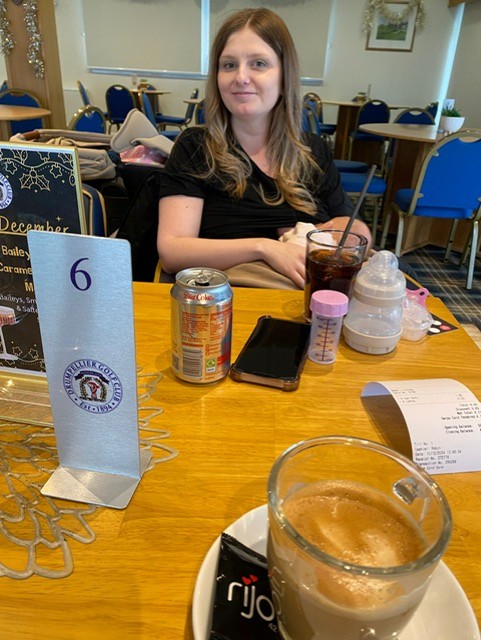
{"x": 355, "y": 533}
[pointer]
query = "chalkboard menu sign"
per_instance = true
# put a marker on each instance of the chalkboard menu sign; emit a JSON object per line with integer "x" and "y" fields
{"x": 40, "y": 188}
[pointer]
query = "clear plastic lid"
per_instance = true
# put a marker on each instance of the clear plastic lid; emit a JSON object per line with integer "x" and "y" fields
{"x": 381, "y": 279}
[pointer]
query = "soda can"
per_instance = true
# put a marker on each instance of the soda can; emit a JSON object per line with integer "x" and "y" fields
{"x": 201, "y": 324}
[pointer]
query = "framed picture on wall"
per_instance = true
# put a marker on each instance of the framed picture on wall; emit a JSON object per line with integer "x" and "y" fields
{"x": 388, "y": 36}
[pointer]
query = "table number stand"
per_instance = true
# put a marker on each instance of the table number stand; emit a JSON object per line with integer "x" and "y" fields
{"x": 83, "y": 287}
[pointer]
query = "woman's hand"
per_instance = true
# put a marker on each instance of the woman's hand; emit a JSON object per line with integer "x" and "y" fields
{"x": 287, "y": 258}
{"x": 180, "y": 247}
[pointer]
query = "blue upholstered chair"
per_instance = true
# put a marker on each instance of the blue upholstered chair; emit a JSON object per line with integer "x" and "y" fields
{"x": 119, "y": 101}
{"x": 199, "y": 113}
{"x": 371, "y": 111}
{"x": 413, "y": 115}
{"x": 24, "y": 99}
{"x": 313, "y": 101}
{"x": 94, "y": 207}
{"x": 432, "y": 108}
{"x": 448, "y": 187}
{"x": 310, "y": 123}
{"x": 178, "y": 121}
{"x": 149, "y": 113}
{"x": 351, "y": 166}
{"x": 353, "y": 184}
{"x": 88, "y": 118}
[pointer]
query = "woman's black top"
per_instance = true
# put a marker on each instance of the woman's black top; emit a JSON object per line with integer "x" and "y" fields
{"x": 224, "y": 217}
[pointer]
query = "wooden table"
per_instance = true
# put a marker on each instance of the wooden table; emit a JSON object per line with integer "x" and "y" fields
{"x": 16, "y": 113}
{"x": 152, "y": 95}
{"x": 413, "y": 143}
{"x": 136, "y": 579}
{"x": 346, "y": 122}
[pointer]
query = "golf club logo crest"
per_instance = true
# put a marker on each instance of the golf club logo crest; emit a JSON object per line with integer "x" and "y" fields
{"x": 92, "y": 386}
{"x": 6, "y": 192}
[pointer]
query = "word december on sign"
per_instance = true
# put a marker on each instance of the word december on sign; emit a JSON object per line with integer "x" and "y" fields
{"x": 40, "y": 189}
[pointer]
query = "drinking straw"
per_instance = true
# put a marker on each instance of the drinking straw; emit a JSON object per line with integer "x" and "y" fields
{"x": 356, "y": 210}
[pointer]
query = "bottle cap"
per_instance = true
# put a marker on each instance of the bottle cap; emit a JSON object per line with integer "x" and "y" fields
{"x": 329, "y": 304}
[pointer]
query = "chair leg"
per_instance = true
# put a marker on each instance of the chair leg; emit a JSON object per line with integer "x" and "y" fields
{"x": 399, "y": 236}
{"x": 472, "y": 255}
{"x": 385, "y": 227}
{"x": 450, "y": 243}
{"x": 375, "y": 219}
{"x": 467, "y": 247}
{"x": 466, "y": 251}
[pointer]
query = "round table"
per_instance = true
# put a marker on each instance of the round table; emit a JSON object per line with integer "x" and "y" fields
{"x": 9, "y": 112}
{"x": 413, "y": 143}
{"x": 346, "y": 122}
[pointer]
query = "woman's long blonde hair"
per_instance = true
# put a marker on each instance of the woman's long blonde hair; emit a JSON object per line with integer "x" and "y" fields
{"x": 290, "y": 160}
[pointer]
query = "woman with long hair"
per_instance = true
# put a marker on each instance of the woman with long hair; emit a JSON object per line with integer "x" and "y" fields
{"x": 233, "y": 186}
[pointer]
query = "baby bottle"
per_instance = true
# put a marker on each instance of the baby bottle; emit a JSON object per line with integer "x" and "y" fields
{"x": 328, "y": 309}
{"x": 374, "y": 320}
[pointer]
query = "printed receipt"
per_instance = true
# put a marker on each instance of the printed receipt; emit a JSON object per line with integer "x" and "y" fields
{"x": 443, "y": 418}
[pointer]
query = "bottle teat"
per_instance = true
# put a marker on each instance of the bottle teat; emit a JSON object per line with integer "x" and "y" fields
{"x": 374, "y": 320}
{"x": 381, "y": 279}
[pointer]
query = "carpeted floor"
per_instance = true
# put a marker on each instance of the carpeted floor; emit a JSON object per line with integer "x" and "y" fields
{"x": 446, "y": 280}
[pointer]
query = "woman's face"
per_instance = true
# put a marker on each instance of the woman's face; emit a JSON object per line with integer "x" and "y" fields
{"x": 249, "y": 76}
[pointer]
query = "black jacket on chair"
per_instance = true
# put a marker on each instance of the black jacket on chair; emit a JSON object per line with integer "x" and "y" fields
{"x": 139, "y": 225}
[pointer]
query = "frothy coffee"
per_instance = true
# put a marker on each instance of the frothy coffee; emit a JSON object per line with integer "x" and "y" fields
{"x": 355, "y": 524}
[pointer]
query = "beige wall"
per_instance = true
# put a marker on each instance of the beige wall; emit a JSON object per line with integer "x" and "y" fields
{"x": 465, "y": 79}
{"x": 411, "y": 78}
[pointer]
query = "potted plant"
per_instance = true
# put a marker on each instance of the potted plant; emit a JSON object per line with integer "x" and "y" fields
{"x": 451, "y": 120}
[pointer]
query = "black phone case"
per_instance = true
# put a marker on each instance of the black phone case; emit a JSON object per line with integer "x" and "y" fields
{"x": 274, "y": 354}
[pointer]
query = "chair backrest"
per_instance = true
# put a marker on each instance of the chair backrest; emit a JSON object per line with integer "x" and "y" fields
{"x": 83, "y": 94}
{"x": 432, "y": 108}
{"x": 373, "y": 111}
{"x": 147, "y": 108}
{"x": 310, "y": 121}
{"x": 152, "y": 97}
{"x": 25, "y": 99}
{"x": 94, "y": 206}
{"x": 315, "y": 102}
{"x": 199, "y": 113}
{"x": 119, "y": 101}
{"x": 88, "y": 118}
{"x": 450, "y": 178}
{"x": 189, "y": 112}
{"x": 414, "y": 115}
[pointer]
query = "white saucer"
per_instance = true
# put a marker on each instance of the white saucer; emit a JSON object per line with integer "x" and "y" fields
{"x": 444, "y": 614}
